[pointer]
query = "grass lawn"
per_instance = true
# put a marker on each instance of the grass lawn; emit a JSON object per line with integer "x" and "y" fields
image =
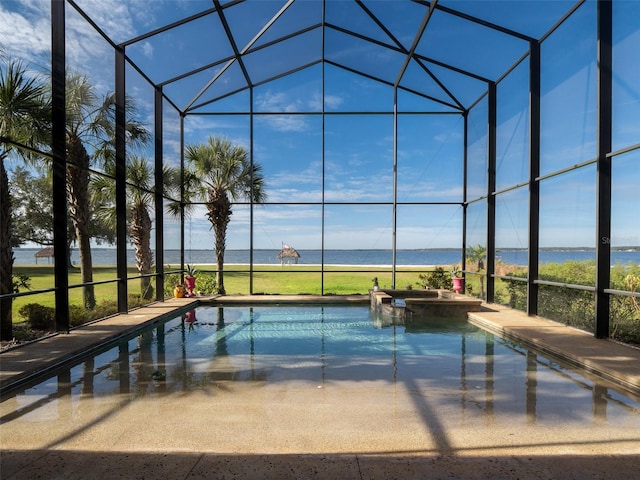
{"x": 267, "y": 279}
{"x": 308, "y": 279}
{"x": 41, "y": 277}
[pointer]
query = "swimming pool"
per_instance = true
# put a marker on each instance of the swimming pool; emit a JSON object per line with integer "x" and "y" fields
{"x": 308, "y": 378}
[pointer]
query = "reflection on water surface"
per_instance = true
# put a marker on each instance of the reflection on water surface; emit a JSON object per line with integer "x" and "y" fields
{"x": 210, "y": 348}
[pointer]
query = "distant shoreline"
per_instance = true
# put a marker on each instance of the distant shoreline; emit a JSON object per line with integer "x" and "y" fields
{"x": 383, "y": 258}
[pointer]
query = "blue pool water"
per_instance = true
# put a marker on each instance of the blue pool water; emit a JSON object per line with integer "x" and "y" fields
{"x": 207, "y": 348}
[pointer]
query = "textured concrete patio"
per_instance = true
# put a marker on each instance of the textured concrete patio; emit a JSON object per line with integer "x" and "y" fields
{"x": 291, "y": 427}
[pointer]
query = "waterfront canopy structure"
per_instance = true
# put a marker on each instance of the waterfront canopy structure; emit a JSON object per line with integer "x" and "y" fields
{"x": 386, "y": 124}
{"x": 288, "y": 254}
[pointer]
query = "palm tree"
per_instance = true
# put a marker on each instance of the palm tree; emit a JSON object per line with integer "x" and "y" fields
{"x": 25, "y": 116}
{"x": 89, "y": 122}
{"x": 477, "y": 254}
{"x": 140, "y": 201}
{"x": 217, "y": 174}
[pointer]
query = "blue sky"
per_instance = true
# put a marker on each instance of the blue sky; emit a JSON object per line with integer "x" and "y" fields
{"x": 357, "y": 151}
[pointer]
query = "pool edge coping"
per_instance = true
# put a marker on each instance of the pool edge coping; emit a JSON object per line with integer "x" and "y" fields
{"x": 553, "y": 340}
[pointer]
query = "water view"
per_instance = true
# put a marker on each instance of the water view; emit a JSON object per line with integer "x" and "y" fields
{"x": 107, "y": 256}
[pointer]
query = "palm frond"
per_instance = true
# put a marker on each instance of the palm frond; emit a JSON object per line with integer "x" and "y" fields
{"x": 220, "y": 166}
{"x": 25, "y": 107}
{"x": 81, "y": 101}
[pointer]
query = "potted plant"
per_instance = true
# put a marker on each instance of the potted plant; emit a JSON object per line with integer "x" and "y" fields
{"x": 457, "y": 279}
{"x": 190, "y": 279}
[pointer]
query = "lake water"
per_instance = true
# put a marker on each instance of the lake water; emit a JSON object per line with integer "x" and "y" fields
{"x": 107, "y": 256}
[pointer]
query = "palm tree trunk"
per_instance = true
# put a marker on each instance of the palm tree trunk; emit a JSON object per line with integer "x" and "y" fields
{"x": 140, "y": 232}
{"x": 220, "y": 263}
{"x": 69, "y": 262}
{"x": 79, "y": 211}
{"x": 6, "y": 254}
{"x": 220, "y": 234}
{"x": 219, "y": 215}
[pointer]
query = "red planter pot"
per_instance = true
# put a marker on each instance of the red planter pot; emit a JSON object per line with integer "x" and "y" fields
{"x": 190, "y": 283}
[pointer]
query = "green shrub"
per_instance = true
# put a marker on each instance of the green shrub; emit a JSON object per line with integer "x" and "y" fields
{"x": 624, "y": 324}
{"x": 41, "y": 317}
{"x": 170, "y": 281}
{"x": 136, "y": 300}
{"x": 572, "y": 272}
{"x": 577, "y": 307}
{"x": 206, "y": 283}
{"x": 437, "y": 278}
{"x": 517, "y": 291}
{"x": 20, "y": 280}
{"x": 38, "y": 316}
{"x": 77, "y": 315}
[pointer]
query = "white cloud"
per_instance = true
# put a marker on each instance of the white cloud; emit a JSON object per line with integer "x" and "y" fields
{"x": 269, "y": 101}
{"x": 333, "y": 101}
{"x": 198, "y": 129}
{"x": 171, "y": 150}
{"x": 292, "y": 185}
{"x": 26, "y": 32}
{"x": 297, "y": 195}
{"x": 280, "y": 102}
{"x": 315, "y": 102}
{"x": 283, "y": 123}
{"x": 308, "y": 176}
{"x": 114, "y": 17}
{"x": 147, "y": 49}
{"x": 274, "y": 214}
{"x": 429, "y": 191}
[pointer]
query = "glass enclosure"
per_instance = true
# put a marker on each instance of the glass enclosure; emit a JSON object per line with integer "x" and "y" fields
{"x": 380, "y": 139}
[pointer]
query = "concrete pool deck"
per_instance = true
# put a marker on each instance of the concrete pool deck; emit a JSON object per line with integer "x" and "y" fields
{"x": 355, "y": 429}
